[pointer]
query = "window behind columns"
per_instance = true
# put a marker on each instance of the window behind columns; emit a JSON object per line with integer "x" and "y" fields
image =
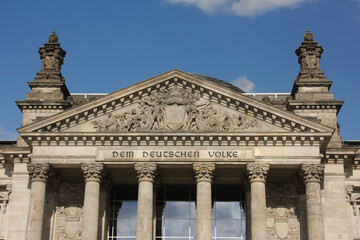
{"x": 123, "y": 212}
{"x": 228, "y": 213}
{"x": 175, "y": 212}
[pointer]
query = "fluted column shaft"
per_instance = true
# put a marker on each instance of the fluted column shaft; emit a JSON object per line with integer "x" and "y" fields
{"x": 146, "y": 173}
{"x": 204, "y": 173}
{"x": 92, "y": 174}
{"x": 38, "y": 174}
{"x": 257, "y": 177}
{"x": 312, "y": 174}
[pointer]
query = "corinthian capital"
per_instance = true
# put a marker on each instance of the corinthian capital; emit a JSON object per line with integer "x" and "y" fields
{"x": 146, "y": 171}
{"x": 38, "y": 171}
{"x": 257, "y": 172}
{"x": 204, "y": 171}
{"x": 312, "y": 172}
{"x": 92, "y": 171}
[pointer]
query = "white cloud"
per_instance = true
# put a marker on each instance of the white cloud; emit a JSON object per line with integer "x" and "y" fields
{"x": 206, "y": 5}
{"x": 248, "y": 8}
{"x": 5, "y": 135}
{"x": 244, "y": 83}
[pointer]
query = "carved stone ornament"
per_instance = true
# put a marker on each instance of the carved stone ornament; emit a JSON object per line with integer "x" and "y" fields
{"x": 92, "y": 171}
{"x": 312, "y": 172}
{"x": 175, "y": 109}
{"x": 204, "y": 171}
{"x": 146, "y": 171}
{"x": 348, "y": 191}
{"x": 257, "y": 171}
{"x": 309, "y": 54}
{"x": 52, "y": 56}
{"x": 69, "y": 211}
{"x": 282, "y": 215}
{"x": 38, "y": 171}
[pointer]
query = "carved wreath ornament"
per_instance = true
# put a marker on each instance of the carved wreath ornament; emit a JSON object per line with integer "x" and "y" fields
{"x": 92, "y": 171}
{"x": 38, "y": 171}
{"x": 145, "y": 171}
{"x": 204, "y": 171}
{"x": 257, "y": 171}
{"x": 312, "y": 172}
{"x": 174, "y": 110}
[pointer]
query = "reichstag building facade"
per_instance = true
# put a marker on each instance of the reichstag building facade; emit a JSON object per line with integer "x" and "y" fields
{"x": 180, "y": 156}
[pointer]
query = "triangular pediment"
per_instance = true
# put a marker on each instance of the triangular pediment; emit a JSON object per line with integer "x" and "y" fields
{"x": 175, "y": 102}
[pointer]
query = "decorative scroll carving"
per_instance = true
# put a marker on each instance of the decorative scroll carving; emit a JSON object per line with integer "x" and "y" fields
{"x": 204, "y": 171}
{"x": 146, "y": 171}
{"x": 283, "y": 223}
{"x": 312, "y": 172}
{"x": 92, "y": 171}
{"x": 257, "y": 171}
{"x": 69, "y": 211}
{"x": 39, "y": 171}
{"x": 175, "y": 110}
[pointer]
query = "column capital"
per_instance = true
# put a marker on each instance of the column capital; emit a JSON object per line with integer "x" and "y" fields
{"x": 146, "y": 171}
{"x": 312, "y": 172}
{"x": 204, "y": 171}
{"x": 257, "y": 172}
{"x": 92, "y": 171}
{"x": 39, "y": 171}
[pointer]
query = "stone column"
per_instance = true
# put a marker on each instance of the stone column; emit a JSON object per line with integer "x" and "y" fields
{"x": 146, "y": 173}
{"x": 38, "y": 175}
{"x": 92, "y": 174}
{"x": 204, "y": 173}
{"x": 257, "y": 173}
{"x": 312, "y": 174}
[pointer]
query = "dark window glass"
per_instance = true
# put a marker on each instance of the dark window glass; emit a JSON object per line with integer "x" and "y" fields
{"x": 123, "y": 212}
{"x": 175, "y": 212}
{"x": 228, "y": 213}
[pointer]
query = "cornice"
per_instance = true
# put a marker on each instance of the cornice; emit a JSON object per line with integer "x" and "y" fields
{"x": 341, "y": 156}
{"x": 176, "y": 139}
{"x": 14, "y": 154}
{"x": 315, "y": 105}
{"x": 124, "y": 97}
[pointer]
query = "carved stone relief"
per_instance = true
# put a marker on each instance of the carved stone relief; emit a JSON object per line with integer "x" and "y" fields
{"x": 282, "y": 216}
{"x": 175, "y": 109}
{"x": 204, "y": 171}
{"x": 69, "y": 211}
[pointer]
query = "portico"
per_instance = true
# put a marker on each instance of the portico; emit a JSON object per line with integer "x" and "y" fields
{"x": 180, "y": 156}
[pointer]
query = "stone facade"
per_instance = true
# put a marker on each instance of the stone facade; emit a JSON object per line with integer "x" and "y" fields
{"x": 300, "y": 181}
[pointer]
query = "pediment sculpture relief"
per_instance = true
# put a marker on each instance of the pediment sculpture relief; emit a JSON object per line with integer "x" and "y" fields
{"x": 175, "y": 110}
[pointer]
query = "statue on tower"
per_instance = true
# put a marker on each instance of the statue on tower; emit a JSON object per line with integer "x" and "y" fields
{"x": 309, "y": 54}
{"x": 52, "y": 58}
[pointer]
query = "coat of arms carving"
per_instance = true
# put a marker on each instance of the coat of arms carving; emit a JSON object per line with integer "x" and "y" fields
{"x": 69, "y": 212}
{"x": 282, "y": 219}
{"x": 175, "y": 109}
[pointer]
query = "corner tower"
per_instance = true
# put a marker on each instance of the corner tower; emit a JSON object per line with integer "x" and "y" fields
{"x": 49, "y": 93}
{"x": 311, "y": 96}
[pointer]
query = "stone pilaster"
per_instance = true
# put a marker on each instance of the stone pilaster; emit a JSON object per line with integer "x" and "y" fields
{"x": 39, "y": 173}
{"x": 204, "y": 173}
{"x": 257, "y": 173}
{"x": 93, "y": 173}
{"x": 312, "y": 174}
{"x": 146, "y": 173}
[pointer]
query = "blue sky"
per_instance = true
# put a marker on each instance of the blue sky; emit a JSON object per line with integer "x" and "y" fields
{"x": 113, "y": 44}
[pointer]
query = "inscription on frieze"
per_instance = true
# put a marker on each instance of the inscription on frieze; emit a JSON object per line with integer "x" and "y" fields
{"x": 175, "y": 109}
{"x": 174, "y": 154}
